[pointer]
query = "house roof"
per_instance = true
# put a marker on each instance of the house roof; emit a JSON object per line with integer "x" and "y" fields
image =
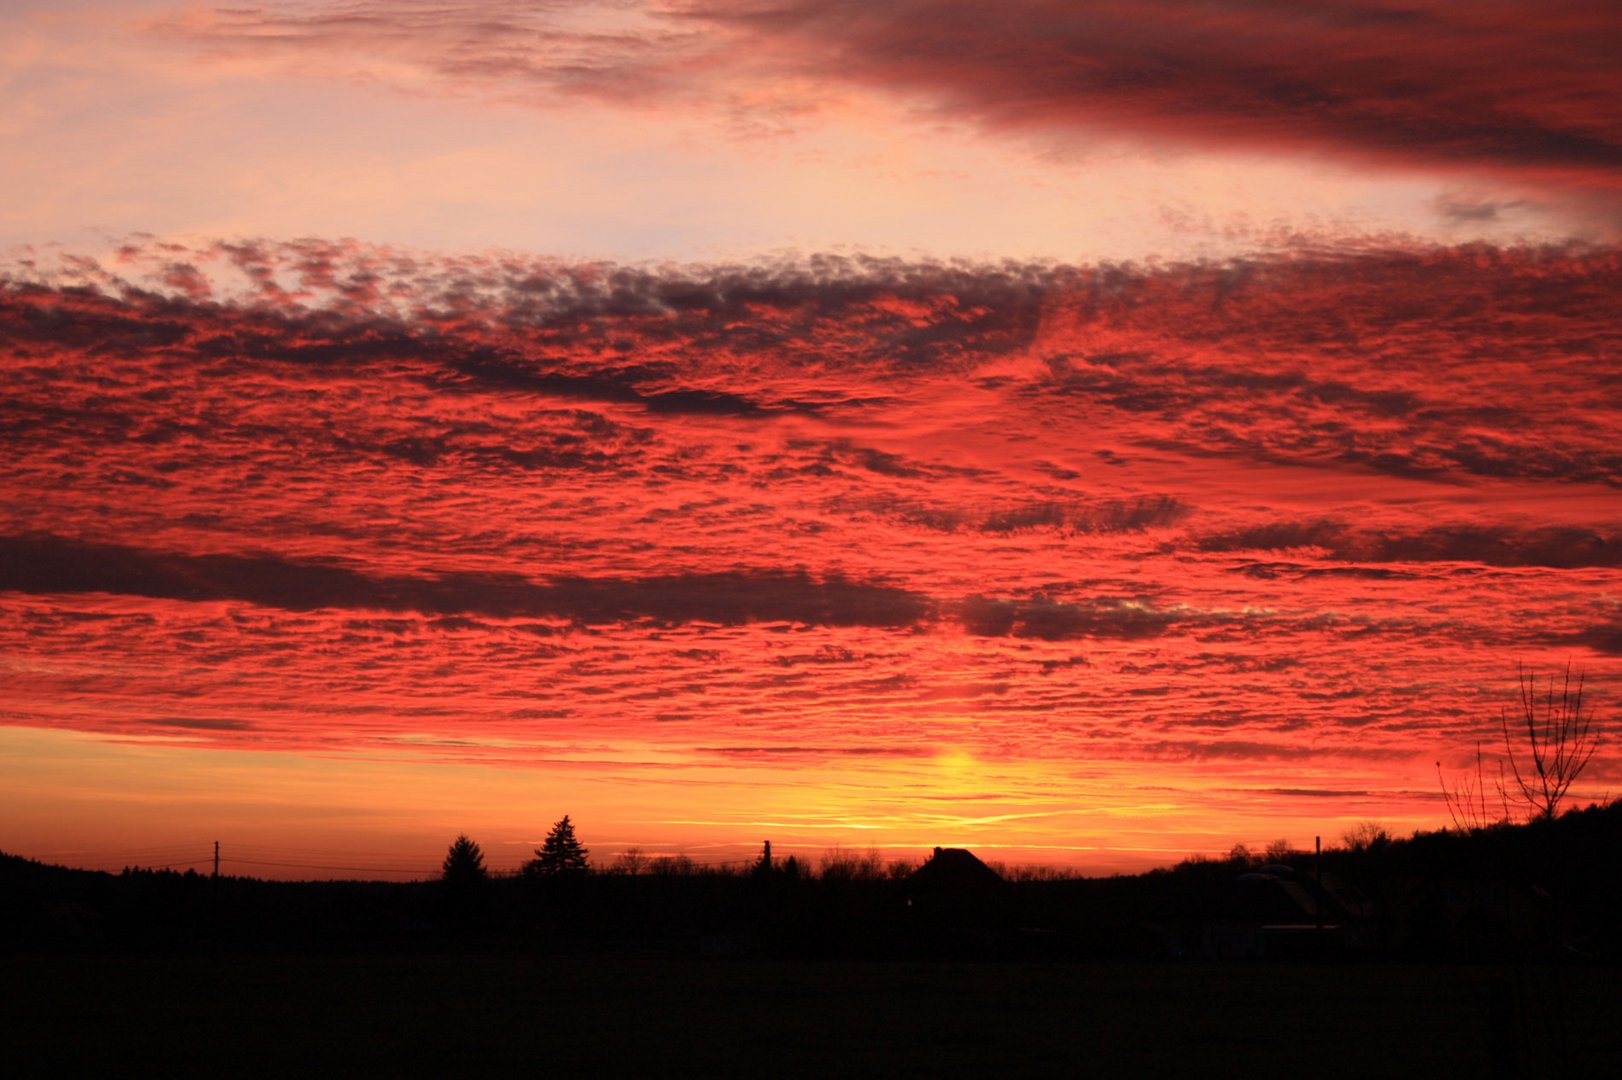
{"x": 953, "y": 869}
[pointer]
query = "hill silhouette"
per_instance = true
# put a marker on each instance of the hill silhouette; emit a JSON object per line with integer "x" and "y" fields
{"x": 1543, "y": 890}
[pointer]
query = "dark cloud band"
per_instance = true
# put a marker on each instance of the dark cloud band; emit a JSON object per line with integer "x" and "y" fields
{"x": 45, "y": 564}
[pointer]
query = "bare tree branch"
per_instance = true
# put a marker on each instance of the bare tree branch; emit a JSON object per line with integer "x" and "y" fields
{"x": 1466, "y": 798}
{"x": 1552, "y": 740}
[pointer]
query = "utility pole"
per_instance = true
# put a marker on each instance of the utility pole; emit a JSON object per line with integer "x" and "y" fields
{"x": 1318, "y": 900}
{"x": 216, "y": 858}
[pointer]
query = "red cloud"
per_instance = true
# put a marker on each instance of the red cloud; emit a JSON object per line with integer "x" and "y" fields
{"x": 1309, "y": 508}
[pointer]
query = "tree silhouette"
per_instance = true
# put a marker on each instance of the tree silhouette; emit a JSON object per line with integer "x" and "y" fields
{"x": 1467, "y": 801}
{"x": 1365, "y": 836}
{"x": 463, "y": 884}
{"x": 1550, "y": 740}
{"x": 560, "y": 855}
{"x": 631, "y": 862}
{"x": 464, "y": 864}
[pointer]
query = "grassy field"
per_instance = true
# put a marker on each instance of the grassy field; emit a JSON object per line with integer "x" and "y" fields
{"x": 477, "y": 1014}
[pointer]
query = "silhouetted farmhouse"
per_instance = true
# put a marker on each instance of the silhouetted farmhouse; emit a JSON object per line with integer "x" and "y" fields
{"x": 1266, "y": 912}
{"x": 953, "y": 872}
{"x": 1275, "y": 912}
{"x": 954, "y": 893}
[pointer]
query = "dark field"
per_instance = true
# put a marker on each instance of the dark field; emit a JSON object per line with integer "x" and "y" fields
{"x": 476, "y": 1013}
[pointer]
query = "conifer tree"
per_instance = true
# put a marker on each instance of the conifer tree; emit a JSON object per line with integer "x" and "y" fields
{"x": 464, "y": 884}
{"x": 464, "y": 863}
{"x": 560, "y": 855}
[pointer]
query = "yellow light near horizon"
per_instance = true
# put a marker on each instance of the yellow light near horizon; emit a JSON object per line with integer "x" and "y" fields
{"x": 84, "y": 800}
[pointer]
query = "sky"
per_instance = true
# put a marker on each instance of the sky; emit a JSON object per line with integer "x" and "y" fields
{"x": 1091, "y": 433}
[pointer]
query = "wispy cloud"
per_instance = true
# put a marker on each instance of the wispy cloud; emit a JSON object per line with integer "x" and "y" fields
{"x": 1506, "y": 90}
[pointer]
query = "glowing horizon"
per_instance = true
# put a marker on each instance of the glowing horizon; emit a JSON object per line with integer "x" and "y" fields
{"x": 1088, "y": 434}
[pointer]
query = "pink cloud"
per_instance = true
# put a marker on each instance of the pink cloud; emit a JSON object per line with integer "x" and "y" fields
{"x": 1504, "y": 89}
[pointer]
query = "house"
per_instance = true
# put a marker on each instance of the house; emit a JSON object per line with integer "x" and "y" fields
{"x": 1274, "y": 913}
{"x": 954, "y": 896}
{"x": 953, "y": 872}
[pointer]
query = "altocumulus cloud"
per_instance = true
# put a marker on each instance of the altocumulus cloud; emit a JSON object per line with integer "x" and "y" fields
{"x": 1191, "y": 510}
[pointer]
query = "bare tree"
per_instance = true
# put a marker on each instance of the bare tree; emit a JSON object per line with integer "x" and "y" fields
{"x": 839, "y": 864}
{"x": 1243, "y": 856}
{"x": 1366, "y": 835}
{"x": 1467, "y": 801}
{"x": 631, "y": 862}
{"x": 671, "y": 865}
{"x": 1550, "y": 742}
{"x": 1540, "y": 1022}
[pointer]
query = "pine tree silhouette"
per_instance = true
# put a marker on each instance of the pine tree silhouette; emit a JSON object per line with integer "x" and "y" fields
{"x": 560, "y": 855}
{"x": 464, "y": 864}
{"x": 464, "y": 883}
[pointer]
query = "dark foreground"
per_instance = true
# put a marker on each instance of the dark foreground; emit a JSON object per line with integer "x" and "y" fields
{"x": 476, "y": 1013}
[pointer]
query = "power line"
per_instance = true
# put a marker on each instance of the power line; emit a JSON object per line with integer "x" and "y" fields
{"x": 169, "y": 866}
{"x": 118, "y": 853}
{"x": 330, "y": 866}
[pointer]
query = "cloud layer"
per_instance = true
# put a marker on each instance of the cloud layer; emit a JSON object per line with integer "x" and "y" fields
{"x": 1289, "y": 523}
{"x": 1504, "y": 89}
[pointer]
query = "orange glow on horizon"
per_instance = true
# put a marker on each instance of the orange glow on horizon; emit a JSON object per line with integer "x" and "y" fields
{"x": 83, "y": 801}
